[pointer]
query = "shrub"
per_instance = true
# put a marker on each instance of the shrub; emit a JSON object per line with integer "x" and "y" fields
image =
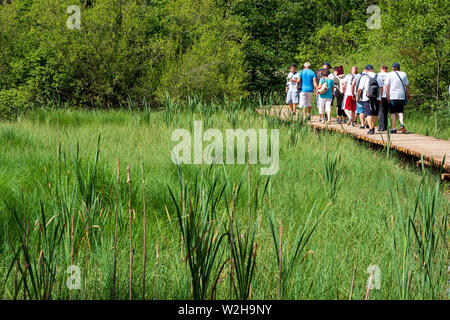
{"x": 13, "y": 102}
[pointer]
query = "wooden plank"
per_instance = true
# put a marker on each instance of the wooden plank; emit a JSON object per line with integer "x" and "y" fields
{"x": 431, "y": 149}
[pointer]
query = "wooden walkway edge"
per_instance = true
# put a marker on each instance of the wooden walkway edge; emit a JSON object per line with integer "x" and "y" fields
{"x": 432, "y": 150}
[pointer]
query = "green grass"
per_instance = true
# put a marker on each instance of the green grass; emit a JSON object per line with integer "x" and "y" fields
{"x": 50, "y": 176}
{"x": 429, "y": 124}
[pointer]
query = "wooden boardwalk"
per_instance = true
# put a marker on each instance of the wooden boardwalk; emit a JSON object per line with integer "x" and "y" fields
{"x": 431, "y": 149}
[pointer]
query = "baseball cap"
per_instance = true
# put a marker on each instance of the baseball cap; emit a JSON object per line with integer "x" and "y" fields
{"x": 369, "y": 67}
{"x": 327, "y": 64}
{"x": 396, "y": 65}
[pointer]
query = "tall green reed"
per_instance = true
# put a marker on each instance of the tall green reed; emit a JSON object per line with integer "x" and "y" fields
{"x": 288, "y": 254}
{"x": 419, "y": 240}
{"x": 332, "y": 174}
{"x": 200, "y": 227}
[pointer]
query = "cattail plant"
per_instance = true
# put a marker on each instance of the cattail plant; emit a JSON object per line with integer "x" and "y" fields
{"x": 294, "y": 131}
{"x": 130, "y": 221}
{"x": 243, "y": 249}
{"x": 144, "y": 236}
{"x": 200, "y": 228}
{"x": 115, "y": 228}
{"x": 191, "y": 103}
{"x": 332, "y": 174}
{"x": 232, "y": 118}
{"x": 70, "y": 214}
{"x": 157, "y": 270}
{"x": 289, "y": 256}
{"x": 38, "y": 251}
{"x": 416, "y": 240}
{"x": 353, "y": 283}
{"x": 170, "y": 110}
{"x": 146, "y": 112}
{"x": 429, "y": 233}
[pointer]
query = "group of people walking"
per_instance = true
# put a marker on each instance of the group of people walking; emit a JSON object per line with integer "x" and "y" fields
{"x": 366, "y": 96}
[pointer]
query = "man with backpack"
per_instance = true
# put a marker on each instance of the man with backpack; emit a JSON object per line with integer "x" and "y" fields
{"x": 307, "y": 85}
{"x": 359, "y": 104}
{"x": 397, "y": 94}
{"x": 370, "y": 91}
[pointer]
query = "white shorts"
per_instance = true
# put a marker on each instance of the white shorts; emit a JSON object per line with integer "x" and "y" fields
{"x": 305, "y": 99}
{"x": 292, "y": 97}
{"x": 324, "y": 105}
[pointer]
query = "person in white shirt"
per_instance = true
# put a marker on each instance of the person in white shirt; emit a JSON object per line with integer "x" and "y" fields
{"x": 359, "y": 104}
{"x": 397, "y": 93}
{"x": 384, "y": 106}
{"x": 370, "y": 91}
{"x": 349, "y": 99}
{"x": 292, "y": 81}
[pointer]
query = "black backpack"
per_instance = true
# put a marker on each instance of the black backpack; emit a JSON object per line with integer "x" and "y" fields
{"x": 357, "y": 83}
{"x": 300, "y": 84}
{"x": 374, "y": 89}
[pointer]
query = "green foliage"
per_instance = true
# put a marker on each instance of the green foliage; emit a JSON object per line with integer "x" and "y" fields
{"x": 137, "y": 50}
{"x": 124, "y": 49}
{"x": 13, "y": 102}
{"x": 413, "y": 33}
{"x": 210, "y": 59}
{"x": 279, "y": 29}
{"x": 419, "y": 38}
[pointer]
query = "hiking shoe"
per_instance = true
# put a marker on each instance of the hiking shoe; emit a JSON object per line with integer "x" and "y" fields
{"x": 362, "y": 127}
{"x": 371, "y": 131}
{"x": 403, "y": 129}
{"x": 367, "y": 126}
{"x": 309, "y": 118}
{"x": 394, "y": 131}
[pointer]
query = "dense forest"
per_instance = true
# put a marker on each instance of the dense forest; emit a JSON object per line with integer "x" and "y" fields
{"x": 139, "y": 50}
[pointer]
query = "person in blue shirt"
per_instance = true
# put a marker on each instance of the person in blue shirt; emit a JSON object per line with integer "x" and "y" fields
{"x": 326, "y": 97}
{"x": 319, "y": 73}
{"x": 307, "y": 86}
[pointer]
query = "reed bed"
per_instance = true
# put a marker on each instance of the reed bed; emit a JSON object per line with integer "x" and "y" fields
{"x": 155, "y": 230}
